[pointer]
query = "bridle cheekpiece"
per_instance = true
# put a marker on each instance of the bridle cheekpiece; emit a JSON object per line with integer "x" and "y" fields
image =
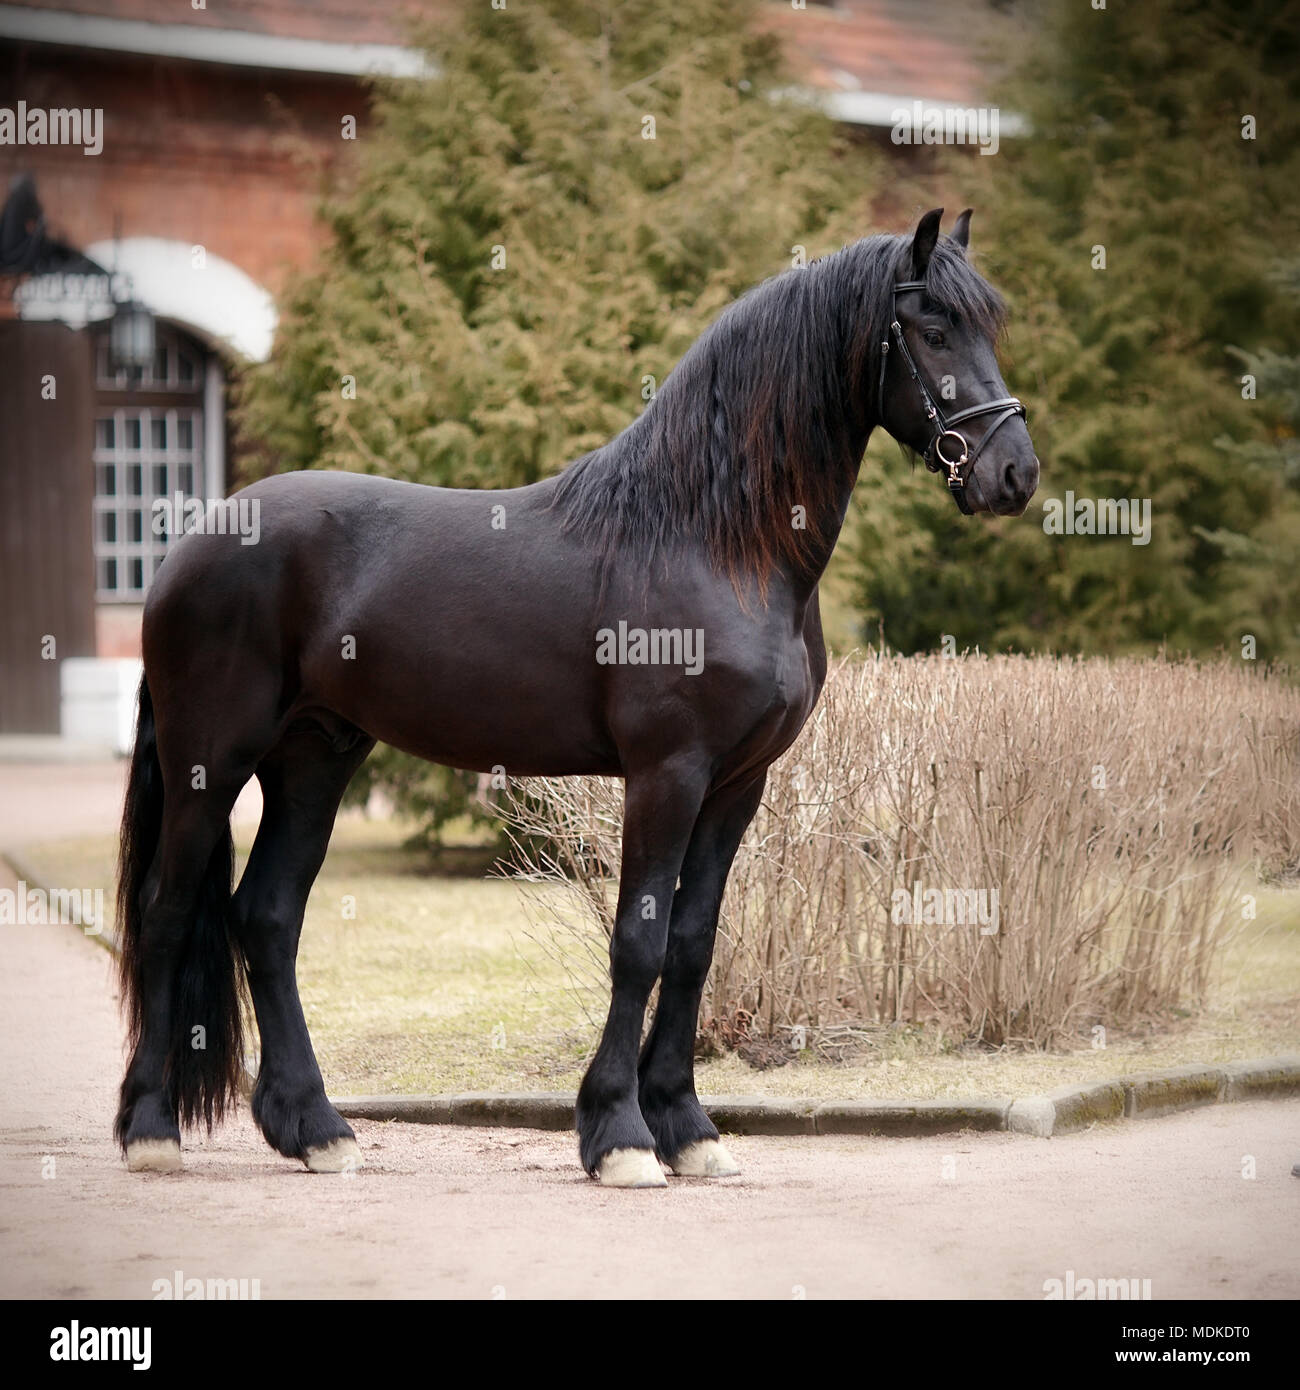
{"x": 948, "y": 447}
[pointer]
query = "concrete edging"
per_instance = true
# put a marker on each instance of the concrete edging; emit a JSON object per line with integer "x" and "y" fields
{"x": 1063, "y": 1111}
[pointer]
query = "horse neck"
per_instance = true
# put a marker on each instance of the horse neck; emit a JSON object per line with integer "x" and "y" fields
{"x": 829, "y": 468}
{"x": 833, "y": 476}
{"x": 824, "y": 534}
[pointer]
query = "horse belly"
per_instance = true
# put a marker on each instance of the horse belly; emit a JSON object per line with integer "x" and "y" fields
{"x": 476, "y": 709}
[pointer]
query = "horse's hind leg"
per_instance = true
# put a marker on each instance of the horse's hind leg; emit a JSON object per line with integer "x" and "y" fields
{"x": 175, "y": 998}
{"x": 685, "y": 1137}
{"x": 303, "y": 780}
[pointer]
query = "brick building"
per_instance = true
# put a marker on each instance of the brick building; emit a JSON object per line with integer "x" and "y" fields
{"x": 221, "y": 128}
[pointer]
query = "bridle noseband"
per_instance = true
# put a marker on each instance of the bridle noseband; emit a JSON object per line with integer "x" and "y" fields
{"x": 935, "y": 457}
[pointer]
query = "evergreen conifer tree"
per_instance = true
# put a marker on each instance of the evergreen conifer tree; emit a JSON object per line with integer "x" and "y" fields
{"x": 533, "y": 238}
{"x": 1137, "y": 232}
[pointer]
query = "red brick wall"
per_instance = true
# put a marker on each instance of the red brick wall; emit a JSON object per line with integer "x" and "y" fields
{"x": 228, "y": 158}
{"x": 232, "y": 159}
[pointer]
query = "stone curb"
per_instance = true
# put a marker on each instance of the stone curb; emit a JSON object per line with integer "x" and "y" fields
{"x": 1149, "y": 1094}
{"x": 909, "y": 1117}
{"x": 1063, "y": 1111}
{"x": 1265, "y": 1078}
{"x": 762, "y": 1115}
{"x": 1067, "y": 1109}
{"x": 1180, "y": 1088}
{"x": 536, "y": 1110}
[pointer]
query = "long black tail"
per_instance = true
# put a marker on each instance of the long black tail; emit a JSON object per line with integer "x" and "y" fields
{"x": 205, "y": 1045}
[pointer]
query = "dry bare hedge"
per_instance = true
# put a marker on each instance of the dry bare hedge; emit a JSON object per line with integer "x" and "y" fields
{"x": 1112, "y": 807}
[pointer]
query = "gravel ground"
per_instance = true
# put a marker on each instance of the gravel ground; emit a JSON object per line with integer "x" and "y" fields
{"x": 446, "y": 1212}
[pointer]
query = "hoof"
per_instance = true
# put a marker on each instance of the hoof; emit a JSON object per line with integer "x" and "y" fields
{"x": 631, "y": 1168}
{"x": 338, "y": 1156}
{"x": 704, "y": 1159}
{"x": 153, "y": 1156}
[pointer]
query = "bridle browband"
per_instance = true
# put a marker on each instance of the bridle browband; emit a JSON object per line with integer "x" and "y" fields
{"x": 935, "y": 458}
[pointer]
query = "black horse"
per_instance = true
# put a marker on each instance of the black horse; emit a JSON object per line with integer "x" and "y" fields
{"x": 649, "y": 613}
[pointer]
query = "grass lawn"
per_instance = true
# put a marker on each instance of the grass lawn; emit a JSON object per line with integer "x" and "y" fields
{"x": 418, "y": 982}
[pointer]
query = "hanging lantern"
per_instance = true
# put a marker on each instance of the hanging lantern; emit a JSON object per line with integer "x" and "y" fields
{"x": 131, "y": 343}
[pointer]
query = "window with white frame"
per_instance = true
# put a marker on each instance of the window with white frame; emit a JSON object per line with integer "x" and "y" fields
{"x": 148, "y": 445}
{"x": 177, "y": 366}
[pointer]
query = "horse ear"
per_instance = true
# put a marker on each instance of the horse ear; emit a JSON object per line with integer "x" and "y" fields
{"x": 961, "y": 229}
{"x": 927, "y": 233}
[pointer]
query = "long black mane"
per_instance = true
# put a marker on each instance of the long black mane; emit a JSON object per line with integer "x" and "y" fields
{"x": 768, "y": 410}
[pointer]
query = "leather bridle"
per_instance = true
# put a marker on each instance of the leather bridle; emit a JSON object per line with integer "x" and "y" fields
{"x": 943, "y": 425}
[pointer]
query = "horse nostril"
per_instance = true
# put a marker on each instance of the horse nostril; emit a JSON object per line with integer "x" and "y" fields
{"x": 1009, "y": 478}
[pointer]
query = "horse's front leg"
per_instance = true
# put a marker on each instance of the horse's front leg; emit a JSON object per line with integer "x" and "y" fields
{"x": 685, "y": 1137}
{"x": 659, "y": 812}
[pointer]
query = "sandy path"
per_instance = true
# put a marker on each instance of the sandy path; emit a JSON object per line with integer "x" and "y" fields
{"x": 56, "y": 801}
{"x": 466, "y": 1212}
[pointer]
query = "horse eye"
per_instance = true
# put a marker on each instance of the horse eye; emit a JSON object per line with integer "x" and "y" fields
{"x": 933, "y": 337}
